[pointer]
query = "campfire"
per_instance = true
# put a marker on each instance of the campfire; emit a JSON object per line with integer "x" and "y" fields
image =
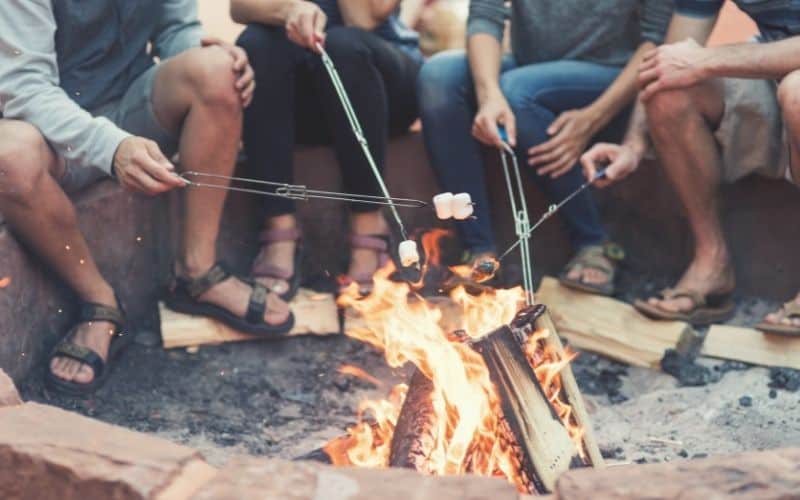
{"x": 471, "y": 407}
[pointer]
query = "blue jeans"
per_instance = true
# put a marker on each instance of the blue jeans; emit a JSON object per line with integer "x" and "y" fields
{"x": 537, "y": 94}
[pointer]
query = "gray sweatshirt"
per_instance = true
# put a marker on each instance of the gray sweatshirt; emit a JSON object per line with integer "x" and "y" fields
{"x": 60, "y": 59}
{"x": 601, "y": 31}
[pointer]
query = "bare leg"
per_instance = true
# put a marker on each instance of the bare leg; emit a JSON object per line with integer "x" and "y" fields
{"x": 278, "y": 253}
{"x": 195, "y": 93}
{"x": 41, "y": 214}
{"x": 681, "y": 124}
{"x": 365, "y": 261}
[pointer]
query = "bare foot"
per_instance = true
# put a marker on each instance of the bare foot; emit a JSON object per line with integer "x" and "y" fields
{"x": 777, "y": 319}
{"x": 279, "y": 254}
{"x": 703, "y": 277}
{"x": 95, "y": 335}
{"x": 234, "y": 295}
{"x": 365, "y": 261}
{"x": 591, "y": 276}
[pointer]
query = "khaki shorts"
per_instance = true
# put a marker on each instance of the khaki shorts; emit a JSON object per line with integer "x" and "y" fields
{"x": 751, "y": 135}
{"x": 132, "y": 113}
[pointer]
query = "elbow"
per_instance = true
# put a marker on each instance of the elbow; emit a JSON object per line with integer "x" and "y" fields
{"x": 237, "y": 13}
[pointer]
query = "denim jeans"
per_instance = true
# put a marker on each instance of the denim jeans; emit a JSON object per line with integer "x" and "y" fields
{"x": 537, "y": 94}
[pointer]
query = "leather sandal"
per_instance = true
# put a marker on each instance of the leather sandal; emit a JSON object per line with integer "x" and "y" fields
{"x": 706, "y": 309}
{"x": 595, "y": 257}
{"x": 68, "y": 349}
{"x": 380, "y": 244}
{"x": 790, "y": 311}
{"x": 183, "y": 297}
{"x": 263, "y": 269}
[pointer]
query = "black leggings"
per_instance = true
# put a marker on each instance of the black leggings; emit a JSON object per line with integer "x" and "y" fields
{"x": 295, "y": 102}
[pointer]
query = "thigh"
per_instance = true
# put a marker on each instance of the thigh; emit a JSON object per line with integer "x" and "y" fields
{"x": 310, "y": 127}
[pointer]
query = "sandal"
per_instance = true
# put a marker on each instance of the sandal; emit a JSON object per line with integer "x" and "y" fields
{"x": 790, "y": 310}
{"x": 380, "y": 244}
{"x": 68, "y": 349}
{"x": 263, "y": 269}
{"x": 706, "y": 310}
{"x": 183, "y": 297}
{"x": 594, "y": 257}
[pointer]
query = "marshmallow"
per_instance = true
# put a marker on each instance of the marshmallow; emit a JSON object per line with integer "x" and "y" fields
{"x": 409, "y": 255}
{"x": 444, "y": 205}
{"x": 462, "y": 206}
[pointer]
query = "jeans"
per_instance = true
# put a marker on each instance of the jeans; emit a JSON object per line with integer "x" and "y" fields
{"x": 537, "y": 94}
{"x": 294, "y": 102}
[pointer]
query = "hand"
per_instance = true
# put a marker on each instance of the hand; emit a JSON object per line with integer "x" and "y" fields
{"x": 622, "y": 159}
{"x": 674, "y": 66}
{"x": 246, "y": 82}
{"x": 140, "y": 166}
{"x": 305, "y": 24}
{"x": 493, "y": 111}
{"x": 569, "y": 134}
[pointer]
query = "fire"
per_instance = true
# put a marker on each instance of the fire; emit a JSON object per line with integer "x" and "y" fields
{"x": 469, "y": 436}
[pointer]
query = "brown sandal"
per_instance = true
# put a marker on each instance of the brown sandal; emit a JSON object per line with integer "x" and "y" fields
{"x": 706, "y": 309}
{"x": 595, "y": 257}
{"x": 380, "y": 244}
{"x": 790, "y": 310}
{"x": 263, "y": 269}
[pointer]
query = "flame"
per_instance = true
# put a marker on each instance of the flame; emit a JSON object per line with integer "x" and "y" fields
{"x": 469, "y": 435}
{"x": 359, "y": 373}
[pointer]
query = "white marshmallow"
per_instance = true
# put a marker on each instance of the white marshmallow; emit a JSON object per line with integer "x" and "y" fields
{"x": 409, "y": 255}
{"x": 462, "y": 206}
{"x": 444, "y": 205}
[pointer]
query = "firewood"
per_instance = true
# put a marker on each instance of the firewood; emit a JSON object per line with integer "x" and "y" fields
{"x": 610, "y": 327}
{"x": 752, "y": 346}
{"x": 412, "y": 443}
{"x": 315, "y": 314}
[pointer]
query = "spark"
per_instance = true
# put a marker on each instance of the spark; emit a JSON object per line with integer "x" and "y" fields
{"x": 67, "y": 248}
{"x": 4, "y": 282}
{"x": 138, "y": 238}
{"x": 82, "y": 261}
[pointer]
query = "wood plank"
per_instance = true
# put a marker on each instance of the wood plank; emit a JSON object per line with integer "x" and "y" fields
{"x": 609, "y": 327}
{"x": 752, "y": 346}
{"x": 315, "y": 314}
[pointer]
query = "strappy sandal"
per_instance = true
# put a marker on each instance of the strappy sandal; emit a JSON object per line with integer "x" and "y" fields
{"x": 706, "y": 310}
{"x": 790, "y": 310}
{"x": 380, "y": 244}
{"x": 263, "y": 269}
{"x": 68, "y": 349}
{"x": 183, "y": 297}
{"x": 595, "y": 257}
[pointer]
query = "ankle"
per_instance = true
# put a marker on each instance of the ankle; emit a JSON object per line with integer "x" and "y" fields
{"x": 368, "y": 223}
{"x": 103, "y": 295}
{"x": 286, "y": 221}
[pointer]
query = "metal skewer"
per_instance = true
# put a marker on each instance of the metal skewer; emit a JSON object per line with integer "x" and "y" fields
{"x": 296, "y": 192}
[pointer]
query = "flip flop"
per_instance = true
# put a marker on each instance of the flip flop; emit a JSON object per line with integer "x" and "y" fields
{"x": 262, "y": 269}
{"x": 790, "y": 310}
{"x": 68, "y": 349}
{"x": 594, "y": 257}
{"x": 380, "y": 244}
{"x": 183, "y": 297}
{"x": 706, "y": 309}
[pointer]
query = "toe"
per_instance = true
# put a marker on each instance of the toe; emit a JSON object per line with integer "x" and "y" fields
{"x": 84, "y": 375}
{"x": 57, "y": 367}
{"x": 574, "y": 274}
{"x": 772, "y": 318}
{"x": 277, "y": 311}
{"x": 595, "y": 277}
{"x": 71, "y": 368}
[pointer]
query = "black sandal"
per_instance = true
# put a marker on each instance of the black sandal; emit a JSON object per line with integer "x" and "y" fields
{"x": 183, "y": 293}
{"x": 68, "y": 349}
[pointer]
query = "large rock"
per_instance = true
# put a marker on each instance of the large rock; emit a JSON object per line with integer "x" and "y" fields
{"x": 8, "y": 391}
{"x": 48, "y": 453}
{"x": 278, "y": 479}
{"x": 769, "y": 475}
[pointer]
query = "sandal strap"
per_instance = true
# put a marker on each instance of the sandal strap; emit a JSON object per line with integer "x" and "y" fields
{"x": 377, "y": 242}
{"x": 257, "y": 304}
{"x": 82, "y": 354}
{"x": 592, "y": 257}
{"x": 697, "y": 298}
{"x": 280, "y": 235}
{"x": 91, "y": 311}
{"x": 198, "y": 286}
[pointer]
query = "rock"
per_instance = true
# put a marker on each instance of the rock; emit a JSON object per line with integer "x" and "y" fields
{"x": 784, "y": 378}
{"x": 773, "y": 394}
{"x": 764, "y": 475}
{"x": 248, "y": 477}
{"x": 8, "y": 391}
{"x": 686, "y": 370}
{"x": 746, "y": 401}
{"x": 46, "y": 452}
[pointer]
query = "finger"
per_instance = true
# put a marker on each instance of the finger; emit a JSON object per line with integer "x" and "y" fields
{"x": 247, "y": 94}
{"x": 159, "y": 168}
{"x": 143, "y": 183}
{"x": 558, "y": 124}
{"x": 510, "y": 124}
{"x": 650, "y": 54}
{"x": 320, "y": 21}
{"x": 546, "y": 147}
{"x": 555, "y": 164}
{"x": 647, "y": 76}
{"x": 563, "y": 167}
{"x": 650, "y": 89}
{"x": 246, "y": 78}
{"x": 648, "y": 64}
{"x": 239, "y": 58}
{"x": 546, "y": 158}
{"x": 208, "y": 40}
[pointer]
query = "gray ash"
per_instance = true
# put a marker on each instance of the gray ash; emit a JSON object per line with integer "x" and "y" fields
{"x": 598, "y": 376}
{"x": 784, "y": 378}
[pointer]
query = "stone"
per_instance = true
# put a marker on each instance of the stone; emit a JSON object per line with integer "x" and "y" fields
{"x": 8, "y": 391}
{"x": 764, "y": 475}
{"x": 46, "y": 452}
{"x": 247, "y": 477}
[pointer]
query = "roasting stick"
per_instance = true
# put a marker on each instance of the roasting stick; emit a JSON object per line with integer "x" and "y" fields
{"x": 295, "y": 192}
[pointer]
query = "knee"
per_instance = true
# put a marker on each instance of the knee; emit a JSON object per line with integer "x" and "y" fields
{"x": 347, "y": 45}
{"x": 669, "y": 108}
{"x": 789, "y": 94}
{"x": 441, "y": 80}
{"x": 263, "y": 44}
{"x": 24, "y": 159}
{"x": 210, "y": 74}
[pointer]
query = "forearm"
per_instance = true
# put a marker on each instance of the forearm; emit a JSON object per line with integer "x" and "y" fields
{"x": 637, "y": 135}
{"x": 485, "y": 56}
{"x": 772, "y": 60}
{"x": 620, "y": 93}
{"x": 366, "y": 14}
{"x": 271, "y": 12}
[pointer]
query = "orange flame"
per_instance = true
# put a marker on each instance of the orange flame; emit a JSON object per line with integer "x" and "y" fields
{"x": 359, "y": 373}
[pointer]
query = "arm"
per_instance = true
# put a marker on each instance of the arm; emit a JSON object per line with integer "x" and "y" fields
{"x": 367, "y": 14}
{"x": 304, "y": 21}
{"x": 178, "y": 30}
{"x": 29, "y": 88}
{"x": 270, "y": 12}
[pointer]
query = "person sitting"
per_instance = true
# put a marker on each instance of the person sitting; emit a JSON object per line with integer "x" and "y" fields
{"x": 556, "y": 90}
{"x": 295, "y": 102}
{"x": 82, "y": 99}
{"x": 714, "y": 115}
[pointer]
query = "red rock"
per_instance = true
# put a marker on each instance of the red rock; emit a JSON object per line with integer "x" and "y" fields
{"x": 46, "y": 452}
{"x": 764, "y": 475}
{"x": 8, "y": 391}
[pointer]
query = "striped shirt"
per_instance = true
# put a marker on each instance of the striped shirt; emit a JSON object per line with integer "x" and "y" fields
{"x": 776, "y": 19}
